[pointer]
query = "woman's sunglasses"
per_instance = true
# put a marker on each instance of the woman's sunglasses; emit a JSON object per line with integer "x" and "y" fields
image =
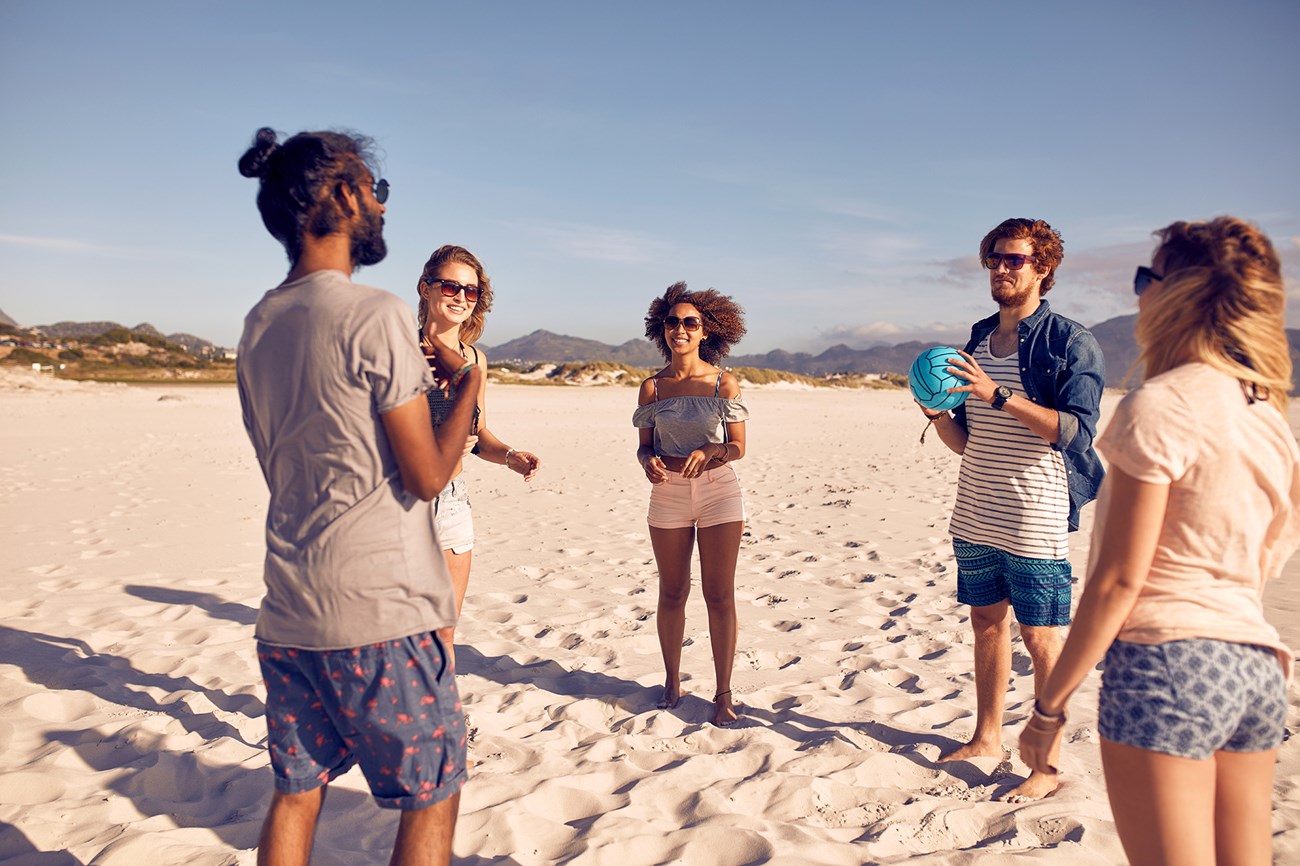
{"x": 690, "y": 323}
{"x": 1013, "y": 261}
{"x": 1143, "y": 278}
{"x": 451, "y": 288}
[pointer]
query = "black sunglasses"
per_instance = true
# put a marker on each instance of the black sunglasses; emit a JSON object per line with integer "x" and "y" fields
{"x": 1142, "y": 279}
{"x": 1013, "y": 261}
{"x": 381, "y": 190}
{"x": 451, "y": 288}
{"x": 690, "y": 323}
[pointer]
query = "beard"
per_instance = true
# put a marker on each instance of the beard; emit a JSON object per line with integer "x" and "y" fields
{"x": 368, "y": 247}
{"x": 1010, "y": 295}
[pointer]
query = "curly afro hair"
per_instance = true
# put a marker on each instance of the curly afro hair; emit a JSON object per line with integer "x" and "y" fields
{"x": 724, "y": 321}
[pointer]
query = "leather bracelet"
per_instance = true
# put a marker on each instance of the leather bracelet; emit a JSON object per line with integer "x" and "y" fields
{"x": 1048, "y": 718}
{"x": 726, "y": 453}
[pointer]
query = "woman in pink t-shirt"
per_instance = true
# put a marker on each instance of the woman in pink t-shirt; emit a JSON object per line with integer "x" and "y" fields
{"x": 1201, "y": 506}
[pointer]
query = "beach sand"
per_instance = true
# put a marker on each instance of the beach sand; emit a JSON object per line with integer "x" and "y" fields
{"x": 131, "y": 728}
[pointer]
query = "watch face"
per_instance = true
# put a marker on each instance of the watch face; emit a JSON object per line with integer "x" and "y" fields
{"x": 1004, "y": 392}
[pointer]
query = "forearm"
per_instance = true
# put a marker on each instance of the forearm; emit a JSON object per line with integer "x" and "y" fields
{"x": 1103, "y": 609}
{"x": 1041, "y": 421}
{"x": 950, "y": 432}
{"x": 490, "y": 448}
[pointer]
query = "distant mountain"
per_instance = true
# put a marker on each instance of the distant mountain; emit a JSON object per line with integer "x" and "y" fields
{"x": 5, "y": 320}
{"x": 546, "y": 346}
{"x": 90, "y": 330}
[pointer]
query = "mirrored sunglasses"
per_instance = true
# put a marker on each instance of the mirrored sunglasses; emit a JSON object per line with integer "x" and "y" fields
{"x": 690, "y": 323}
{"x": 1013, "y": 261}
{"x": 451, "y": 288}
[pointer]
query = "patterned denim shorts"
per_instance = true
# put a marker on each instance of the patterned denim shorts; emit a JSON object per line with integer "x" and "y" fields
{"x": 391, "y": 707}
{"x": 1192, "y": 698}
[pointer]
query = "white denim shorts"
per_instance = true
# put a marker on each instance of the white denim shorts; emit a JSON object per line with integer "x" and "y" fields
{"x": 711, "y": 499}
{"x": 453, "y": 521}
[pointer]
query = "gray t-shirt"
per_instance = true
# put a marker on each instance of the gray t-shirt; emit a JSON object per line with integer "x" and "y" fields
{"x": 351, "y": 557}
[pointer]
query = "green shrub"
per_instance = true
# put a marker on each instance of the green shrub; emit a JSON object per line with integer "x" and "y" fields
{"x": 26, "y": 357}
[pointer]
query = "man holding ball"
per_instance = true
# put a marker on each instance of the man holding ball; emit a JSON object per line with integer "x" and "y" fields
{"x": 1025, "y": 434}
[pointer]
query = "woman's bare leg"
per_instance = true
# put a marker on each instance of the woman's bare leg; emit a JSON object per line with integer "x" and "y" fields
{"x": 458, "y": 564}
{"x": 719, "y": 550}
{"x": 1164, "y": 806}
{"x": 672, "y": 549}
{"x": 1243, "y": 808}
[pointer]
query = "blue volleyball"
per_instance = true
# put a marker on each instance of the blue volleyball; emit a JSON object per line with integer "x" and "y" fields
{"x": 930, "y": 380}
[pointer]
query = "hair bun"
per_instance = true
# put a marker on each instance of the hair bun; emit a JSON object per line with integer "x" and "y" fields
{"x": 256, "y": 159}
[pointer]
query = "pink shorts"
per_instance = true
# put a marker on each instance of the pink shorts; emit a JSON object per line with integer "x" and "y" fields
{"x": 709, "y": 500}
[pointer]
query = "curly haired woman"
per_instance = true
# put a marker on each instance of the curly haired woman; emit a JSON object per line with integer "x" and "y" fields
{"x": 691, "y": 423}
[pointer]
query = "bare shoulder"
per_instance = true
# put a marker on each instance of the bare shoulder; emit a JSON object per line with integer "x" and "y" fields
{"x": 647, "y": 392}
{"x": 730, "y": 386}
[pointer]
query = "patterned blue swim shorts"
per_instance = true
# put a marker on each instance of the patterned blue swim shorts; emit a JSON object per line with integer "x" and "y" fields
{"x": 1039, "y": 589}
{"x": 392, "y": 707}
{"x": 1192, "y": 698}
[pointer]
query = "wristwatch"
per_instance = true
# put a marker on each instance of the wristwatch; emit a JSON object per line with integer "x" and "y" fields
{"x": 1000, "y": 397}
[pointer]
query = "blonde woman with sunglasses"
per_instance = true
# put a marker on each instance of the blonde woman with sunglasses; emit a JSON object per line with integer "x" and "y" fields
{"x": 691, "y": 426}
{"x": 1198, "y": 510}
{"x": 455, "y": 296}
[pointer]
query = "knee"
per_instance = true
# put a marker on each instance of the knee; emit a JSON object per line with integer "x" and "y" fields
{"x": 1041, "y": 640}
{"x": 990, "y": 620}
{"x": 674, "y": 595}
{"x": 720, "y": 600}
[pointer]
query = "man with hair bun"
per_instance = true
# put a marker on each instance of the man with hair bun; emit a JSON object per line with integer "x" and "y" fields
{"x": 332, "y": 383}
{"x": 1027, "y": 468}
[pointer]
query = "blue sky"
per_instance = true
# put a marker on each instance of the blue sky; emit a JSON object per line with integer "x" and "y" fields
{"x": 832, "y": 165}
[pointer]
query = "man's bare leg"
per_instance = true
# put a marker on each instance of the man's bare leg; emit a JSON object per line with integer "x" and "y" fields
{"x": 1043, "y": 643}
{"x": 424, "y": 836}
{"x": 992, "y": 625}
{"x": 289, "y": 828}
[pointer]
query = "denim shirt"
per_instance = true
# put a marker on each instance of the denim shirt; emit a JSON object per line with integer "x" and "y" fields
{"x": 1062, "y": 368}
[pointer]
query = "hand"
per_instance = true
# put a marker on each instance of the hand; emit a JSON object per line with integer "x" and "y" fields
{"x": 697, "y": 460}
{"x": 470, "y": 442}
{"x": 1040, "y": 745}
{"x": 445, "y": 360}
{"x": 933, "y": 416}
{"x": 655, "y": 470}
{"x": 978, "y": 382}
{"x": 523, "y": 462}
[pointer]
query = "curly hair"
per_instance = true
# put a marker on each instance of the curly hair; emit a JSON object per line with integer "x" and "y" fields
{"x": 298, "y": 176}
{"x": 1048, "y": 249}
{"x": 724, "y": 321}
{"x": 1223, "y": 303}
{"x": 472, "y": 328}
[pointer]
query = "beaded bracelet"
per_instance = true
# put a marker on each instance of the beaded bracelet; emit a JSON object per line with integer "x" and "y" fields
{"x": 509, "y": 451}
{"x": 460, "y": 374}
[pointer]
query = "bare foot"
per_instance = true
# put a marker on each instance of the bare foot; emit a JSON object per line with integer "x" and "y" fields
{"x": 1036, "y": 787}
{"x": 671, "y": 696}
{"x": 724, "y": 714}
{"x": 973, "y": 749}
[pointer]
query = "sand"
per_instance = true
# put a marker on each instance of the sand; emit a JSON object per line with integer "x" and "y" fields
{"x": 131, "y": 727}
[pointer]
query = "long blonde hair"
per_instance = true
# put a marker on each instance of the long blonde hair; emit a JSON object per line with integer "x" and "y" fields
{"x": 472, "y": 328}
{"x": 1222, "y": 303}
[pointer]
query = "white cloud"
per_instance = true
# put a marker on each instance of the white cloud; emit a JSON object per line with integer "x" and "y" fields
{"x": 595, "y": 243}
{"x": 870, "y": 333}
